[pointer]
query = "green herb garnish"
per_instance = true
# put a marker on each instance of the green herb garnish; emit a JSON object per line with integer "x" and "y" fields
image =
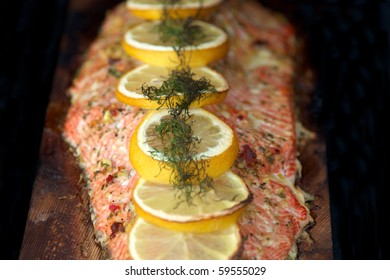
{"x": 179, "y": 90}
{"x": 178, "y": 147}
{"x": 177, "y": 143}
{"x": 179, "y": 32}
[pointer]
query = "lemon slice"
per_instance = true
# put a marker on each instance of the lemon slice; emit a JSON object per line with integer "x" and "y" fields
{"x": 218, "y": 145}
{"x": 152, "y": 9}
{"x": 149, "y": 242}
{"x": 219, "y": 208}
{"x": 143, "y": 43}
{"x": 129, "y": 87}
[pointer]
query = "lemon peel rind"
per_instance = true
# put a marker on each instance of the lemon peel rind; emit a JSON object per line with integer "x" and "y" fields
{"x": 234, "y": 254}
{"x": 197, "y": 223}
{"x": 165, "y": 55}
{"x": 155, "y": 11}
{"x": 217, "y": 41}
{"x": 201, "y": 226}
{"x": 162, "y": 174}
{"x": 139, "y": 100}
{"x": 193, "y": 5}
{"x": 195, "y": 57}
{"x": 156, "y": 171}
{"x": 155, "y": 116}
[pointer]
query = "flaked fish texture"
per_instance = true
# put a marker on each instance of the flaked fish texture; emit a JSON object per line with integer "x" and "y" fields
{"x": 259, "y": 107}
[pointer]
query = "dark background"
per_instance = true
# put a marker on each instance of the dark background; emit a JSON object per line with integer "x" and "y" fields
{"x": 348, "y": 47}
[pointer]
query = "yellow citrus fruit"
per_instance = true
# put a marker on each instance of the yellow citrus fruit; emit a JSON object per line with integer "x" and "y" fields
{"x": 150, "y": 242}
{"x": 214, "y": 210}
{"x": 218, "y": 145}
{"x": 153, "y": 9}
{"x": 129, "y": 89}
{"x": 143, "y": 43}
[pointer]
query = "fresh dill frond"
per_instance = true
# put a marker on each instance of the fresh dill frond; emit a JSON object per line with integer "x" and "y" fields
{"x": 178, "y": 145}
{"x": 179, "y": 90}
{"x": 180, "y": 32}
{"x": 177, "y": 31}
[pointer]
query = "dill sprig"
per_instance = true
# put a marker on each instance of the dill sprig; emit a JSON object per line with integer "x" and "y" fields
{"x": 180, "y": 32}
{"x": 178, "y": 150}
{"x": 177, "y": 143}
{"x": 176, "y": 31}
{"x": 179, "y": 90}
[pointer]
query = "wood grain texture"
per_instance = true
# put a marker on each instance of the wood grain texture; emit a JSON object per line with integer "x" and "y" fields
{"x": 319, "y": 245}
{"x": 59, "y": 225}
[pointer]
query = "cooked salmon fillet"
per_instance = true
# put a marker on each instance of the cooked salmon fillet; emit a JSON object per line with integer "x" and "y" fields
{"x": 259, "y": 107}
